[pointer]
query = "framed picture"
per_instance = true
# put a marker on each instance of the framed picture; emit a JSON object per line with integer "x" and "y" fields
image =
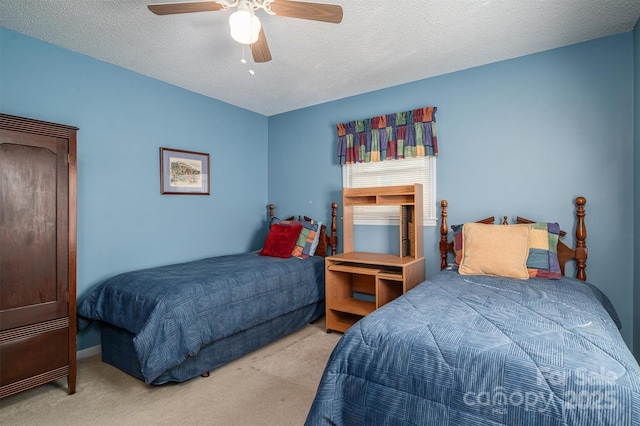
{"x": 184, "y": 172}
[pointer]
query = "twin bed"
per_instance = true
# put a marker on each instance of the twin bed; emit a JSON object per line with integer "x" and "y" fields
{"x": 469, "y": 346}
{"x": 479, "y": 349}
{"x": 176, "y": 322}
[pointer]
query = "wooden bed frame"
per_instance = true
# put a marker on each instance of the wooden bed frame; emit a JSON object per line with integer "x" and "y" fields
{"x": 328, "y": 242}
{"x": 565, "y": 253}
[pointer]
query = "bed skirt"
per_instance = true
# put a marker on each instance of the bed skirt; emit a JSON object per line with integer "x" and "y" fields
{"x": 118, "y": 349}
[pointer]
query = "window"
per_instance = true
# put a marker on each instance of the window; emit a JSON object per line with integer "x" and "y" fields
{"x": 388, "y": 173}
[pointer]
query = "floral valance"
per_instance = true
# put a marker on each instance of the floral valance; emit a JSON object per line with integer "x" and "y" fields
{"x": 405, "y": 134}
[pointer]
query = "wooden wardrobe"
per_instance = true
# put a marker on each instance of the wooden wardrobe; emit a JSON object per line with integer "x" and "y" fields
{"x": 37, "y": 254}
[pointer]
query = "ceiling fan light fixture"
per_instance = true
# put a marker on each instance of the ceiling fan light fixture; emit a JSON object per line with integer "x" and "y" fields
{"x": 245, "y": 26}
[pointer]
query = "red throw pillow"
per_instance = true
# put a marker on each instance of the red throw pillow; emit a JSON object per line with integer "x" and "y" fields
{"x": 281, "y": 240}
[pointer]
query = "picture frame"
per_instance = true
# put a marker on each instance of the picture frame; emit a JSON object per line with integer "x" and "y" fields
{"x": 184, "y": 172}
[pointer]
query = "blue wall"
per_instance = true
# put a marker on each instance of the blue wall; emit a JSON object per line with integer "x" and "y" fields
{"x": 520, "y": 137}
{"x": 124, "y": 222}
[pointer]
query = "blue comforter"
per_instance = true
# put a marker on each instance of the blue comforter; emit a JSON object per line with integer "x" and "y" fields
{"x": 477, "y": 350}
{"x": 175, "y": 310}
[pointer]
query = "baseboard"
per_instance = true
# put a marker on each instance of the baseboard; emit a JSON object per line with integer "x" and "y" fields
{"x": 89, "y": 352}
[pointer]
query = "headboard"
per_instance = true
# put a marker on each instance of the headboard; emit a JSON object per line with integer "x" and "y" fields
{"x": 565, "y": 253}
{"x": 328, "y": 242}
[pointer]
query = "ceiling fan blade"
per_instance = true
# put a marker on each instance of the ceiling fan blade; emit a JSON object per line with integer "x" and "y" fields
{"x": 188, "y": 7}
{"x": 303, "y": 10}
{"x": 260, "y": 49}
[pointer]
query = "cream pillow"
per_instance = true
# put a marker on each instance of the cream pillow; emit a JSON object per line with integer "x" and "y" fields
{"x": 498, "y": 250}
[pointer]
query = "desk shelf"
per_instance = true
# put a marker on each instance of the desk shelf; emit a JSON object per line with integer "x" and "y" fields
{"x": 350, "y": 285}
{"x": 353, "y": 279}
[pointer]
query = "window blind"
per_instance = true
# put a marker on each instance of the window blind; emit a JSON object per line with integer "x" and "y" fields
{"x": 389, "y": 173}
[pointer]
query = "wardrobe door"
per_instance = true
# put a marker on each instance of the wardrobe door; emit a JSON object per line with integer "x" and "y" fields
{"x": 34, "y": 231}
{"x": 37, "y": 254}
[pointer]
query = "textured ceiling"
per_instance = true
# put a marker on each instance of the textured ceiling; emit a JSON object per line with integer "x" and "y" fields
{"x": 378, "y": 44}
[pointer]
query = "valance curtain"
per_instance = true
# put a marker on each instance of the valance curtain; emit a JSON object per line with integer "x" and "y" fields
{"x": 405, "y": 134}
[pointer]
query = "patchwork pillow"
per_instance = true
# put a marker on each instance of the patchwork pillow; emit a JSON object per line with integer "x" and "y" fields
{"x": 457, "y": 242}
{"x": 498, "y": 250}
{"x": 316, "y": 240}
{"x": 281, "y": 240}
{"x": 306, "y": 238}
{"x": 543, "y": 251}
{"x": 309, "y": 237}
{"x": 288, "y": 221}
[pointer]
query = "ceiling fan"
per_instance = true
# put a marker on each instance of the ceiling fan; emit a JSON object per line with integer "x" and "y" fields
{"x": 245, "y": 26}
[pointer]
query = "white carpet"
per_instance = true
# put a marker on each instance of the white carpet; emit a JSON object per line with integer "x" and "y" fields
{"x": 272, "y": 386}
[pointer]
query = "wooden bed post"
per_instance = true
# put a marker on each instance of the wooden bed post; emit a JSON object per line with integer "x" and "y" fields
{"x": 333, "y": 239}
{"x": 271, "y": 214}
{"x": 581, "y": 236}
{"x": 444, "y": 231}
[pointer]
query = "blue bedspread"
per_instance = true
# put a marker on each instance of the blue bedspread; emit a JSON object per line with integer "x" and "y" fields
{"x": 472, "y": 350}
{"x": 175, "y": 310}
